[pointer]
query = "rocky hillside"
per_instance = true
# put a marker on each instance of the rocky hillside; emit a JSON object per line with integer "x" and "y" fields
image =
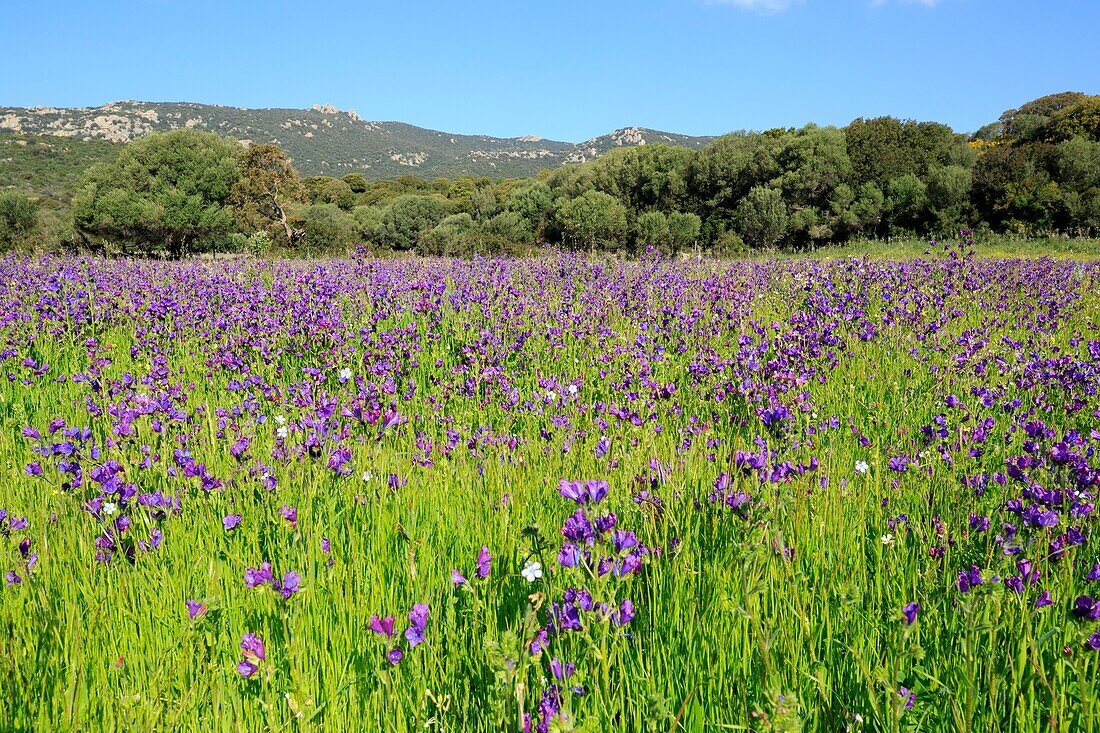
{"x": 325, "y": 140}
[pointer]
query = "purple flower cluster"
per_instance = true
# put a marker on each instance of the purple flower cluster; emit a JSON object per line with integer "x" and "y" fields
{"x": 262, "y": 576}
{"x": 254, "y": 654}
{"x": 414, "y": 632}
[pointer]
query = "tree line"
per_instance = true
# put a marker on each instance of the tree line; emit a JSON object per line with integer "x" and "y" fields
{"x": 1035, "y": 170}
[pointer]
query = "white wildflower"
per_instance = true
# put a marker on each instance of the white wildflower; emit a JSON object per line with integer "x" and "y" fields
{"x": 532, "y": 571}
{"x": 862, "y": 467}
{"x": 110, "y": 508}
{"x": 888, "y": 539}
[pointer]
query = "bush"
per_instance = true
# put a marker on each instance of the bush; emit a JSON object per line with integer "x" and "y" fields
{"x": 18, "y": 219}
{"x": 449, "y": 237}
{"x": 593, "y": 218}
{"x": 762, "y": 217}
{"x": 167, "y": 192}
{"x": 326, "y": 227}
{"x": 410, "y": 216}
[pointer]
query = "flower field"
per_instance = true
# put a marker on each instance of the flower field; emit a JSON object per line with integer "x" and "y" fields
{"x": 550, "y": 494}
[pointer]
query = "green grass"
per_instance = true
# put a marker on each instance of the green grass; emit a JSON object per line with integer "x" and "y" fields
{"x": 729, "y": 635}
{"x": 991, "y": 246}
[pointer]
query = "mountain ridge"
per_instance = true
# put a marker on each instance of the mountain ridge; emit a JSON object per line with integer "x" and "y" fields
{"x": 324, "y": 140}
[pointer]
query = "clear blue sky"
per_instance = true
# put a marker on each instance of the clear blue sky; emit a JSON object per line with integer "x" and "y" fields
{"x": 560, "y": 69}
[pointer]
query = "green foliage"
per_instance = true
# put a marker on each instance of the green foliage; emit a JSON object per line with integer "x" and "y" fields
{"x": 649, "y": 176}
{"x": 885, "y": 148}
{"x": 410, "y": 216}
{"x": 1078, "y": 120}
{"x": 722, "y": 173}
{"x": 268, "y": 186}
{"x": 329, "y": 190}
{"x": 1030, "y": 117}
{"x": 1033, "y": 171}
{"x": 1013, "y": 189}
{"x": 683, "y": 230}
{"x": 670, "y": 234}
{"x": 484, "y": 204}
{"x": 762, "y": 217}
{"x": 165, "y": 192}
{"x": 534, "y": 201}
{"x": 949, "y": 196}
{"x": 18, "y": 218}
{"x": 856, "y": 212}
{"x": 652, "y": 229}
{"x": 326, "y": 227}
{"x": 452, "y": 236}
{"x": 367, "y": 223}
{"x": 593, "y": 218}
{"x": 813, "y": 161}
{"x": 356, "y": 182}
{"x": 1078, "y": 162}
{"x": 907, "y": 202}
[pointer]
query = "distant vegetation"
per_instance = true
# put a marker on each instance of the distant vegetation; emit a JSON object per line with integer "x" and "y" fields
{"x": 1034, "y": 171}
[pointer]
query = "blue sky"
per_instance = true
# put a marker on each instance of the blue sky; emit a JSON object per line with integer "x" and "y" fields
{"x": 564, "y": 70}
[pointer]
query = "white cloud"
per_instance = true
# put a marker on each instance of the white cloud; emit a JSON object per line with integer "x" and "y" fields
{"x": 766, "y": 7}
{"x": 769, "y": 7}
{"x": 925, "y": 3}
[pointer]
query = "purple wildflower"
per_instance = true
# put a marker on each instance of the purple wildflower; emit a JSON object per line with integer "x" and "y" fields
{"x": 418, "y": 624}
{"x": 484, "y": 563}
{"x": 253, "y": 647}
{"x": 381, "y": 626}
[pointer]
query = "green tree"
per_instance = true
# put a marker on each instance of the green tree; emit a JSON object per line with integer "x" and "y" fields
{"x": 408, "y": 217}
{"x": 165, "y": 192}
{"x": 651, "y": 229}
{"x": 907, "y": 203}
{"x": 570, "y": 181}
{"x": 1030, "y": 117}
{"x": 885, "y": 148}
{"x": 326, "y": 227}
{"x": 329, "y": 190}
{"x": 483, "y": 204}
{"x": 670, "y": 233}
{"x": 267, "y": 187}
{"x": 367, "y": 223}
{"x": 505, "y": 232}
{"x": 534, "y": 201}
{"x": 723, "y": 173}
{"x": 814, "y": 161}
{"x": 1078, "y": 120}
{"x": 1079, "y": 176}
{"x": 593, "y": 219}
{"x": 1013, "y": 189}
{"x": 949, "y": 196}
{"x": 356, "y": 182}
{"x": 18, "y": 218}
{"x": 683, "y": 230}
{"x": 762, "y": 217}
{"x": 451, "y": 236}
{"x": 644, "y": 177}
{"x": 855, "y": 212}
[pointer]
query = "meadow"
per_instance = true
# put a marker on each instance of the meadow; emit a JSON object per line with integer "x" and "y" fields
{"x": 556, "y": 493}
